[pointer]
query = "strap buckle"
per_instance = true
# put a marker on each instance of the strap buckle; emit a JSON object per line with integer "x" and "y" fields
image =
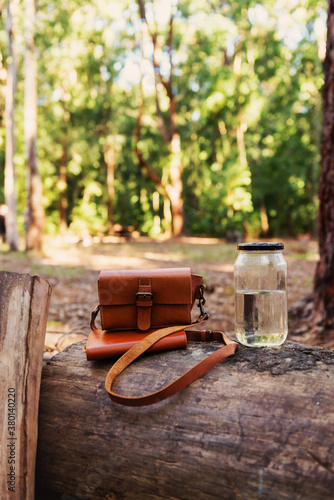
{"x": 144, "y": 303}
{"x": 208, "y": 335}
{"x": 143, "y": 294}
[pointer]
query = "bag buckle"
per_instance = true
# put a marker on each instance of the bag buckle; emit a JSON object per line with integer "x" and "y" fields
{"x": 143, "y": 294}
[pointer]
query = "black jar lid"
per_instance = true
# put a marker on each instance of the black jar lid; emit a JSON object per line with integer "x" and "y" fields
{"x": 263, "y": 246}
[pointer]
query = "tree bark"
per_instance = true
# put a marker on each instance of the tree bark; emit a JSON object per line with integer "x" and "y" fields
{"x": 24, "y": 302}
{"x": 259, "y": 425}
{"x": 10, "y": 194}
{"x": 109, "y": 158}
{"x": 62, "y": 187}
{"x": 175, "y": 188}
{"x": 324, "y": 276}
{"x": 35, "y": 219}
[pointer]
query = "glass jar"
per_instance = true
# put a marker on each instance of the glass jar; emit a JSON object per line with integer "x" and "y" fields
{"x": 260, "y": 276}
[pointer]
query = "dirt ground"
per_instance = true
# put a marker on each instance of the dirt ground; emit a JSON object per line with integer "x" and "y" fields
{"x": 72, "y": 269}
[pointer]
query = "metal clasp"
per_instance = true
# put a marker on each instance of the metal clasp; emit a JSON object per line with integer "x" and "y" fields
{"x": 201, "y": 301}
{"x": 93, "y": 318}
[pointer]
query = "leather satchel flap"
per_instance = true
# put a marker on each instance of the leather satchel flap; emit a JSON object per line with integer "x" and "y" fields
{"x": 168, "y": 286}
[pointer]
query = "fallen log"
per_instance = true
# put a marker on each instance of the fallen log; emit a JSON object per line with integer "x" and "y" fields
{"x": 259, "y": 425}
{"x": 24, "y": 303}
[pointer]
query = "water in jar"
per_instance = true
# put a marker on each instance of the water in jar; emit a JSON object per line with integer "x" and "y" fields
{"x": 261, "y": 317}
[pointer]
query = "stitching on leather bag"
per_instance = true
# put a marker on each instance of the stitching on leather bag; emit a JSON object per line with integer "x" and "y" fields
{"x": 189, "y": 306}
{"x": 147, "y": 278}
{"x": 99, "y": 290}
{"x": 102, "y": 318}
{"x": 189, "y": 312}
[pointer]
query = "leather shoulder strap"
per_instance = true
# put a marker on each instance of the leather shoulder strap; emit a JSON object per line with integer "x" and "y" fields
{"x": 187, "y": 378}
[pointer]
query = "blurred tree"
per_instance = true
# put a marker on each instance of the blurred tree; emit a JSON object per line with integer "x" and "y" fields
{"x": 324, "y": 277}
{"x": 3, "y": 78}
{"x": 83, "y": 113}
{"x": 284, "y": 145}
{"x": 215, "y": 89}
{"x": 35, "y": 214}
{"x": 10, "y": 193}
{"x": 173, "y": 187}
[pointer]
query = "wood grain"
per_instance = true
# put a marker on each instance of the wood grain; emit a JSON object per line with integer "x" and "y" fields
{"x": 259, "y": 425}
{"x": 24, "y": 302}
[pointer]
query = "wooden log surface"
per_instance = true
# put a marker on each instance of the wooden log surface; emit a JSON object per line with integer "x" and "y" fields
{"x": 24, "y": 304}
{"x": 259, "y": 425}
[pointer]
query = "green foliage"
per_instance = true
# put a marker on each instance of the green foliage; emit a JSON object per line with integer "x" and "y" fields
{"x": 247, "y": 79}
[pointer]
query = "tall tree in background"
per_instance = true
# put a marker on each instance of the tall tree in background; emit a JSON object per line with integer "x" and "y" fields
{"x": 324, "y": 276}
{"x": 170, "y": 133}
{"x": 35, "y": 218}
{"x": 10, "y": 195}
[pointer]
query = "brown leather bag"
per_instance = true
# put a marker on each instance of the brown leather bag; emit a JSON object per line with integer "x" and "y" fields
{"x": 157, "y": 303}
{"x": 146, "y": 298}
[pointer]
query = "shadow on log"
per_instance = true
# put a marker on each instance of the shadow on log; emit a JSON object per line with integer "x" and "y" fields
{"x": 259, "y": 425}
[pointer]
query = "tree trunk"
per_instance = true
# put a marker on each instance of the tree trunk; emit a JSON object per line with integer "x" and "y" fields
{"x": 258, "y": 425}
{"x": 35, "y": 222}
{"x": 10, "y": 195}
{"x": 264, "y": 218}
{"x": 109, "y": 158}
{"x": 324, "y": 276}
{"x": 62, "y": 186}
{"x": 175, "y": 188}
{"x": 24, "y": 302}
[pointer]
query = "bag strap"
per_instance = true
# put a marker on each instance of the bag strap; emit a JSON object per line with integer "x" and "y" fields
{"x": 184, "y": 380}
{"x": 94, "y": 314}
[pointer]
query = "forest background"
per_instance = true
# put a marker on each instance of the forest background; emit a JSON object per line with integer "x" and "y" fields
{"x": 199, "y": 117}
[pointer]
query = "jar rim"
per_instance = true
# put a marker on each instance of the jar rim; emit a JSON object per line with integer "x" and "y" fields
{"x": 261, "y": 246}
